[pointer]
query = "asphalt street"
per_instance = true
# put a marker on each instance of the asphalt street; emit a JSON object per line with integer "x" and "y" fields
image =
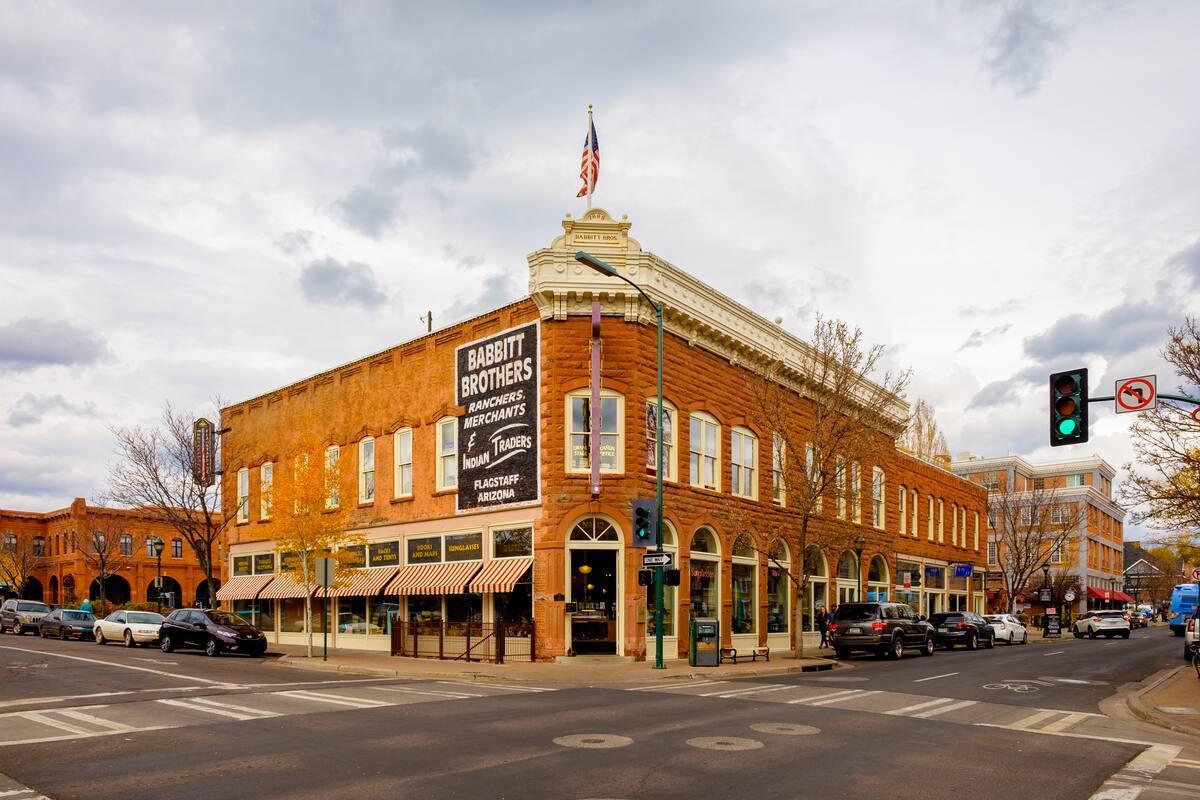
{"x": 78, "y": 720}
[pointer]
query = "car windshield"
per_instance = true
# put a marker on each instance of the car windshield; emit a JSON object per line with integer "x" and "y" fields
{"x": 225, "y": 618}
{"x": 78, "y": 616}
{"x": 145, "y": 618}
{"x": 857, "y": 612}
{"x": 36, "y": 608}
{"x": 938, "y": 619}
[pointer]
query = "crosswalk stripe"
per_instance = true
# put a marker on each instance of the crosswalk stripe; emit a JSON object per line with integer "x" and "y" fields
{"x": 822, "y": 696}
{"x": 919, "y": 706}
{"x": 858, "y": 695}
{"x": 49, "y": 721}
{"x": 933, "y": 712}
{"x": 220, "y": 712}
{"x": 736, "y": 692}
{"x": 445, "y": 695}
{"x": 103, "y": 723}
{"x": 1032, "y": 719}
{"x": 675, "y": 685}
{"x": 320, "y": 697}
{"x": 244, "y": 709}
{"x": 774, "y": 688}
{"x": 1065, "y": 722}
{"x": 504, "y": 686}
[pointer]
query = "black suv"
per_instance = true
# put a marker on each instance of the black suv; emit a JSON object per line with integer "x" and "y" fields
{"x": 881, "y": 628}
{"x": 962, "y": 627}
{"x": 214, "y": 632}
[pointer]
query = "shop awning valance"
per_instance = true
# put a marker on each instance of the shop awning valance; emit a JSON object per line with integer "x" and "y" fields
{"x": 284, "y": 587}
{"x": 1108, "y": 594}
{"x": 365, "y": 582}
{"x": 501, "y": 575}
{"x": 449, "y": 578}
{"x": 244, "y": 587}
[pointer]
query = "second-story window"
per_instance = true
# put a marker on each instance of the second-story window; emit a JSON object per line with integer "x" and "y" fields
{"x": 243, "y": 495}
{"x": 902, "y": 509}
{"x": 266, "y": 485}
{"x": 916, "y": 508}
{"x": 778, "y": 490}
{"x": 744, "y": 454}
{"x": 856, "y": 491}
{"x": 447, "y": 454}
{"x": 954, "y": 524}
{"x": 669, "y": 417}
{"x": 941, "y": 521}
{"x": 333, "y": 489}
{"x": 839, "y": 486}
{"x": 877, "y": 506}
{"x": 177, "y": 548}
{"x": 366, "y": 470}
{"x": 977, "y": 531}
{"x": 402, "y": 455}
{"x": 705, "y": 452}
{"x": 991, "y": 553}
{"x": 1075, "y": 480}
{"x": 579, "y": 432}
{"x": 150, "y": 547}
{"x": 125, "y": 544}
{"x": 39, "y": 546}
{"x": 929, "y": 520}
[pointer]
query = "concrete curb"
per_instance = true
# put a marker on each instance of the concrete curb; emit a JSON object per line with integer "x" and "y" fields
{"x": 1147, "y": 713}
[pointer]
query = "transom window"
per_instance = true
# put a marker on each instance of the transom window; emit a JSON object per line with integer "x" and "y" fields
{"x": 744, "y": 452}
{"x": 705, "y": 450}
{"x": 579, "y": 432}
{"x": 594, "y": 529}
{"x": 703, "y": 541}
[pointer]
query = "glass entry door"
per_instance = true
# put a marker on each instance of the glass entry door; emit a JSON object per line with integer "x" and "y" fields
{"x": 594, "y": 593}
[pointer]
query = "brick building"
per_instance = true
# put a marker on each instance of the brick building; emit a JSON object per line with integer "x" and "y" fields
{"x": 1093, "y": 556}
{"x": 64, "y": 573}
{"x": 446, "y": 539}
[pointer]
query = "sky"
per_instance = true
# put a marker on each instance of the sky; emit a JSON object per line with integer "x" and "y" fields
{"x": 203, "y": 201}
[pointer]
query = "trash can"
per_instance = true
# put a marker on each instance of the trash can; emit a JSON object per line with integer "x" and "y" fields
{"x": 705, "y": 638}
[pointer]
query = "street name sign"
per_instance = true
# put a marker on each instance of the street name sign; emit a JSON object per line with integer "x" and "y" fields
{"x": 1136, "y": 394}
{"x": 657, "y": 560}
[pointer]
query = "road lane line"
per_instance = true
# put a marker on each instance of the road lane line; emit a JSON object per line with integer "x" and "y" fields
{"x": 736, "y": 692}
{"x": 115, "y": 666}
{"x": 933, "y": 712}
{"x": 934, "y": 677}
{"x": 1032, "y": 719}
{"x": 1055, "y": 653}
{"x": 920, "y": 706}
{"x": 821, "y": 696}
{"x": 833, "y": 700}
{"x": 50, "y": 722}
{"x": 119, "y": 727}
{"x": 674, "y": 685}
{"x": 220, "y": 712}
{"x": 319, "y": 697}
{"x": 1065, "y": 722}
{"x": 1142, "y": 742}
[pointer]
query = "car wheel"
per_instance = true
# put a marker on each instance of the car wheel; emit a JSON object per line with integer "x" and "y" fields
{"x": 971, "y": 642}
{"x": 99, "y": 636}
{"x": 927, "y": 650}
{"x": 62, "y": 634}
{"x": 841, "y": 652}
{"x": 1187, "y": 653}
{"x": 166, "y": 645}
{"x": 896, "y": 651}
{"x": 1092, "y": 633}
{"x": 212, "y": 648}
{"x": 1125, "y": 635}
{"x": 129, "y": 639}
{"x": 1078, "y": 635}
{"x": 41, "y": 633}
{"x": 1025, "y": 637}
{"x": 991, "y": 642}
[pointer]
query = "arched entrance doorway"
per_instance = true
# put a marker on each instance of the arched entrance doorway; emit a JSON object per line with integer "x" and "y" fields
{"x": 54, "y": 590}
{"x": 116, "y": 590}
{"x": 595, "y": 588}
{"x": 32, "y": 590}
{"x": 172, "y": 592}
{"x": 202, "y": 594}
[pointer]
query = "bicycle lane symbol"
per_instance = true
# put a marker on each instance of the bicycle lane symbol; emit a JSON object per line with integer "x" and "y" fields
{"x": 1018, "y": 686}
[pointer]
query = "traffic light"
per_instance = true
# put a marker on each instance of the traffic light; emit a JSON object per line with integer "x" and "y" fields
{"x": 1069, "y": 407}
{"x": 644, "y": 523}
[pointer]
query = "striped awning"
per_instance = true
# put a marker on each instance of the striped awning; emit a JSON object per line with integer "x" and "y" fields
{"x": 501, "y": 575}
{"x": 364, "y": 582}
{"x": 244, "y": 587}
{"x": 284, "y": 587}
{"x": 449, "y": 578}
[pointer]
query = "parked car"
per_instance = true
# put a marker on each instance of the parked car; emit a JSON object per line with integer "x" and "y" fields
{"x": 131, "y": 627}
{"x": 1136, "y": 618}
{"x": 67, "y": 623}
{"x": 1190, "y": 632}
{"x": 962, "y": 627}
{"x": 19, "y": 616}
{"x": 214, "y": 632}
{"x": 1102, "y": 623}
{"x": 1008, "y": 628}
{"x": 880, "y": 628}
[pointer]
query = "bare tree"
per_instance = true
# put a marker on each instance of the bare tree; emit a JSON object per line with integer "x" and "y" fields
{"x": 827, "y": 416}
{"x": 923, "y": 437}
{"x": 154, "y": 474}
{"x": 18, "y": 558}
{"x": 100, "y": 546}
{"x": 1030, "y": 528}
{"x": 1162, "y": 485}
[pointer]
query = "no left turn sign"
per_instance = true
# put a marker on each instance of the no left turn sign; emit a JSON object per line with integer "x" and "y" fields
{"x": 1136, "y": 394}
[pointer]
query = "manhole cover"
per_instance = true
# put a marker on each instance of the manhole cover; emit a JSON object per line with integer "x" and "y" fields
{"x": 596, "y": 741}
{"x": 784, "y": 728}
{"x": 724, "y": 743}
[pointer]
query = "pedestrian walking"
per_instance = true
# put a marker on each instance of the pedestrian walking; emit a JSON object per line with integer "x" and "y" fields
{"x": 86, "y": 605}
{"x": 823, "y": 626}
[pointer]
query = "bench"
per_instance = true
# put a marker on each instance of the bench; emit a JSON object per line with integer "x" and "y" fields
{"x": 731, "y": 654}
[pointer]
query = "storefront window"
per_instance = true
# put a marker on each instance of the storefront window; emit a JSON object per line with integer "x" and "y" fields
{"x": 515, "y": 607}
{"x": 383, "y": 611}
{"x": 778, "y": 586}
{"x": 463, "y": 610}
{"x": 705, "y": 602}
{"x": 351, "y": 615}
{"x": 291, "y": 616}
{"x": 261, "y": 614}
{"x": 425, "y": 608}
{"x": 744, "y": 597}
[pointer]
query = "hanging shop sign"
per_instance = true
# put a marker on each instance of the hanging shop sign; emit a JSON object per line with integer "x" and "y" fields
{"x": 425, "y": 551}
{"x": 496, "y": 382}
{"x": 964, "y": 570}
{"x": 204, "y": 453}
{"x": 464, "y": 547}
{"x": 384, "y": 554}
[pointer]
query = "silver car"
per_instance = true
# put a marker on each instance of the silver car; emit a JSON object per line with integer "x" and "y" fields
{"x": 1102, "y": 623}
{"x": 19, "y": 616}
{"x": 1008, "y": 628}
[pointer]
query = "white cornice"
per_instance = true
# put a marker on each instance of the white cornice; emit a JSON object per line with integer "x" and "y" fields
{"x": 1029, "y": 468}
{"x": 694, "y": 311}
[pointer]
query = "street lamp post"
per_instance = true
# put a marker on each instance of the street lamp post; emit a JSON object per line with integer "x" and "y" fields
{"x": 860, "y": 544}
{"x": 1046, "y": 585}
{"x": 158, "y": 548}
{"x": 607, "y": 269}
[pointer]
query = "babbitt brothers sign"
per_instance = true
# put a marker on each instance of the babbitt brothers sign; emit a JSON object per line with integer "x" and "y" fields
{"x": 496, "y": 380}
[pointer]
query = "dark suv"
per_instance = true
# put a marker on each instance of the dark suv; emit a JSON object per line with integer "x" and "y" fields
{"x": 214, "y": 632}
{"x": 881, "y": 628}
{"x": 962, "y": 627}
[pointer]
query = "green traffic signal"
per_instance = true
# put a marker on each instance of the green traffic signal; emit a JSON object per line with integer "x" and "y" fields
{"x": 1069, "y": 407}
{"x": 1067, "y": 427}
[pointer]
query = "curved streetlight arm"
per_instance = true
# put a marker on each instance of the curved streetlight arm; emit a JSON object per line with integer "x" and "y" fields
{"x": 587, "y": 259}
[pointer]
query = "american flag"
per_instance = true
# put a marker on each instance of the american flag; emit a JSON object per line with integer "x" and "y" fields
{"x": 589, "y": 164}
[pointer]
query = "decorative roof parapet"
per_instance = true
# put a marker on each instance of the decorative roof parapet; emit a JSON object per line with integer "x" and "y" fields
{"x": 693, "y": 310}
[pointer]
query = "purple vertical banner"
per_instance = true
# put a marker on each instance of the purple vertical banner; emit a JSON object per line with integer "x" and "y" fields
{"x": 594, "y": 405}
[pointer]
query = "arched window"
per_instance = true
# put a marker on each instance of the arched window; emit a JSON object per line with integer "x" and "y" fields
{"x": 778, "y": 588}
{"x": 704, "y": 448}
{"x": 125, "y": 544}
{"x": 579, "y": 431}
{"x": 816, "y": 594}
{"x": 878, "y": 580}
{"x": 848, "y": 577}
{"x": 745, "y": 586}
{"x": 744, "y": 458}
{"x": 705, "y": 570}
{"x": 594, "y": 529}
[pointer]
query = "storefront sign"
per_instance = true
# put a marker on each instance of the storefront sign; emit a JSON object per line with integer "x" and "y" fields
{"x": 496, "y": 379}
{"x": 906, "y": 578}
{"x": 702, "y": 570}
{"x": 264, "y": 564}
{"x": 384, "y": 554}
{"x": 354, "y": 556}
{"x": 464, "y": 547}
{"x": 512, "y": 542}
{"x": 289, "y": 562}
{"x": 242, "y": 565}
{"x": 963, "y": 570}
{"x": 933, "y": 572}
{"x": 425, "y": 551}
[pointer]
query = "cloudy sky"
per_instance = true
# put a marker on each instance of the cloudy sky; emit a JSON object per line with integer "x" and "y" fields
{"x": 216, "y": 199}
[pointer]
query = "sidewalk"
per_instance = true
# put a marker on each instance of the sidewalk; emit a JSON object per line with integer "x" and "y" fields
{"x": 582, "y": 670}
{"x": 1172, "y": 701}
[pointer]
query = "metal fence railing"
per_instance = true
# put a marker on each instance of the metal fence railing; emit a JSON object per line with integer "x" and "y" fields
{"x": 464, "y": 641}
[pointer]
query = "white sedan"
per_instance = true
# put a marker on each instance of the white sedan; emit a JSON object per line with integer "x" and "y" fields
{"x": 1008, "y": 628}
{"x": 131, "y": 627}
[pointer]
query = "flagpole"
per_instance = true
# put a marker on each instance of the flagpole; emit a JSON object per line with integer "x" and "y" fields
{"x": 591, "y": 150}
